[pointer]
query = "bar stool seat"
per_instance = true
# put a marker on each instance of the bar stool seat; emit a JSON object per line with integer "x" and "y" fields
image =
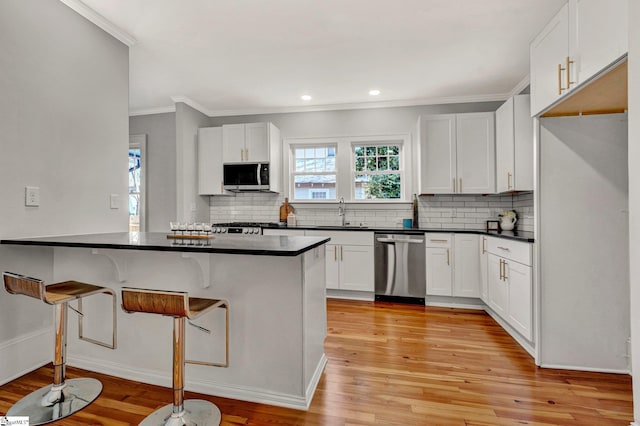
{"x": 181, "y": 307}
{"x": 63, "y": 397}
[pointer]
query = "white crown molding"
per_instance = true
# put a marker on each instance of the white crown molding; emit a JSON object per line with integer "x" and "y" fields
{"x": 151, "y": 111}
{"x": 99, "y": 20}
{"x": 520, "y": 86}
{"x": 329, "y": 107}
{"x": 193, "y": 104}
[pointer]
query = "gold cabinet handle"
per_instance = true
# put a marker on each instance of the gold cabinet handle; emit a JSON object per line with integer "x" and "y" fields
{"x": 460, "y": 186}
{"x": 246, "y": 154}
{"x": 341, "y": 253}
{"x": 241, "y": 154}
{"x": 501, "y": 275}
{"x": 484, "y": 240}
{"x": 454, "y": 184}
{"x": 560, "y": 88}
{"x": 448, "y": 258}
{"x": 568, "y": 68}
{"x": 221, "y": 186}
{"x": 438, "y": 241}
{"x": 335, "y": 253}
{"x": 504, "y": 273}
{"x": 508, "y": 180}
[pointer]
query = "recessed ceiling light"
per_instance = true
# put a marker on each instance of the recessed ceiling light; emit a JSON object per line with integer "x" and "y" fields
{"x": 374, "y": 92}
{"x": 305, "y": 97}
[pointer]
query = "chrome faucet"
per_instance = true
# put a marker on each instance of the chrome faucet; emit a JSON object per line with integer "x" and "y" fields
{"x": 342, "y": 210}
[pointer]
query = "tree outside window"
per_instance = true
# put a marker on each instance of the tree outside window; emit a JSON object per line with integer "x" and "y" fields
{"x": 377, "y": 172}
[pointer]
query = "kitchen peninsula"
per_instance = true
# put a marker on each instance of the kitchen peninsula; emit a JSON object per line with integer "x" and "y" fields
{"x": 275, "y": 287}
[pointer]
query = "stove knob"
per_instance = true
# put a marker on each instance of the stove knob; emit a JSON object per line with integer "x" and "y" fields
{"x": 223, "y": 230}
{"x": 256, "y": 231}
{"x": 246, "y": 231}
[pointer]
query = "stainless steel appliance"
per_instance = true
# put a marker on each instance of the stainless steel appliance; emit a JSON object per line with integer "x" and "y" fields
{"x": 239, "y": 228}
{"x": 400, "y": 274}
{"x": 239, "y": 177}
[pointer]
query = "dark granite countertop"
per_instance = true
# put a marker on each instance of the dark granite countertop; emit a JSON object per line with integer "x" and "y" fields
{"x": 260, "y": 245}
{"x": 524, "y": 236}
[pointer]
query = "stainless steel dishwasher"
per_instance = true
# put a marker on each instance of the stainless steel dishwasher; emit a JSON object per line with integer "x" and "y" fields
{"x": 399, "y": 261}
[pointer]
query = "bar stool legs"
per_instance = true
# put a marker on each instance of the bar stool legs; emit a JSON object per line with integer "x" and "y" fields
{"x": 180, "y": 412}
{"x": 63, "y": 397}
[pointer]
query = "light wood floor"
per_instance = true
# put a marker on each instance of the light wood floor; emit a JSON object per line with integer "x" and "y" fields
{"x": 395, "y": 365}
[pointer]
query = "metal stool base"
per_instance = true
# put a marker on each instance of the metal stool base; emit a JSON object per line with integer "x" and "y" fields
{"x": 76, "y": 394}
{"x": 197, "y": 412}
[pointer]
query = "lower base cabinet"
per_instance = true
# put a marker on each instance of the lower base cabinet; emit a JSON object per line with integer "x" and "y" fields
{"x": 510, "y": 290}
{"x": 453, "y": 265}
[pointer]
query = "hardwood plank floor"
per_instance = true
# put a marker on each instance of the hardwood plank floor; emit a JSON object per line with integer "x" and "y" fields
{"x": 395, "y": 365}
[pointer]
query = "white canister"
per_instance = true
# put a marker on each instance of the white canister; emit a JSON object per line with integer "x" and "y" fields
{"x": 291, "y": 219}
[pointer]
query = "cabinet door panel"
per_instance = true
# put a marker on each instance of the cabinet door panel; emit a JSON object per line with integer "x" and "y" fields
{"x": 484, "y": 290}
{"x": 505, "y": 147}
{"x": 520, "y": 299}
{"x": 467, "y": 266}
{"x": 210, "y": 161}
{"x": 439, "y": 277}
{"x": 356, "y": 268}
{"x": 601, "y": 35}
{"x": 437, "y": 154}
{"x": 332, "y": 266}
{"x": 476, "y": 165}
{"x": 233, "y": 143}
{"x": 549, "y": 50}
{"x": 498, "y": 290}
{"x": 257, "y": 142}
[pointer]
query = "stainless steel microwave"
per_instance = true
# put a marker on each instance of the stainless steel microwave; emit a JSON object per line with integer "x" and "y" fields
{"x": 239, "y": 177}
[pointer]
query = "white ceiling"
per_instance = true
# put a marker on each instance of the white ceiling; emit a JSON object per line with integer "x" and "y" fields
{"x": 250, "y": 56}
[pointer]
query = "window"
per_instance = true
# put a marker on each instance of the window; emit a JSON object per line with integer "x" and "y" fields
{"x": 377, "y": 172}
{"x": 314, "y": 175}
{"x": 357, "y": 168}
{"x": 137, "y": 145}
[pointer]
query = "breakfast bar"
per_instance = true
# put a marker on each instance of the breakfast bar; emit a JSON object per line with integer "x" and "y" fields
{"x": 274, "y": 285}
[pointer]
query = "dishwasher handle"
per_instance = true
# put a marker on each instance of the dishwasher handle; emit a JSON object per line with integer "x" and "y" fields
{"x": 392, "y": 240}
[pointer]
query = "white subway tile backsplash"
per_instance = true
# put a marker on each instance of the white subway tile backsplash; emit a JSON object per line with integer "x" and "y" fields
{"x": 437, "y": 211}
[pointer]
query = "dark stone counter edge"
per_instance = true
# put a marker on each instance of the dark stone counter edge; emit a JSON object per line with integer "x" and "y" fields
{"x": 195, "y": 249}
{"x": 526, "y": 236}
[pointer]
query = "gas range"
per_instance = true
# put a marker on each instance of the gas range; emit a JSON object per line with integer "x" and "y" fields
{"x": 239, "y": 228}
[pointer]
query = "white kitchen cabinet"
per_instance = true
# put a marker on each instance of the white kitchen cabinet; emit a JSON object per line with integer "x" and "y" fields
{"x": 549, "y": 52}
{"x": 498, "y": 290}
{"x": 510, "y": 290}
{"x": 210, "y": 161}
{"x": 457, "y": 153}
{"x": 349, "y": 260}
{"x": 584, "y": 38}
{"x": 601, "y": 35}
{"x": 466, "y": 271}
{"x": 483, "y": 269}
{"x": 514, "y": 145}
{"x": 250, "y": 142}
{"x": 439, "y": 264}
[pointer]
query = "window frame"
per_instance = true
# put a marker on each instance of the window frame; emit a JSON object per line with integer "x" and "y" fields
{"x": 345, "y": 165}
{"x": 400, "y": 171}
{"x": 292, "y": 173}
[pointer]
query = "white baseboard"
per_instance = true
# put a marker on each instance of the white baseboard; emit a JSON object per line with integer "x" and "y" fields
{"x": 454, "y": 305}
{"x": 350, "y": 294}
{"x": 634, "y": 424}
{"x": 163, "y": 378}
{"x": 581, "y": 368}
{"x": 25, "y": 353}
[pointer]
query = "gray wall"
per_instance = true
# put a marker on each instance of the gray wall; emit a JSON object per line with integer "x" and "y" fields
{"x": 190, "y": 206}
{"x": 354, "y": 122}
{"x": 161, "y": 167}
{"x": 64, "y": 128}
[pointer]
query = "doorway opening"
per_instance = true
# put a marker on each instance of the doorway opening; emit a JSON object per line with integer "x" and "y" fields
{"x": 137, "y": 172}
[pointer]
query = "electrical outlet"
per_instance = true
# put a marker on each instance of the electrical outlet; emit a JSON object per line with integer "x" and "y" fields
{"x": 32, "y": 196}
{"x": 114, "y": 201}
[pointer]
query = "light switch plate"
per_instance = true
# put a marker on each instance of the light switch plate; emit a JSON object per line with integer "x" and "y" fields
{"x": 114, "y": 201}
{"x": 32, "y": 196}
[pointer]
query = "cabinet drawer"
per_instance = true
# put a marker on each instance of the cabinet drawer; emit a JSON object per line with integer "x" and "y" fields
{"x": 438, "y": 240}
{"x": 354, "y": 238}
{"x": 513, "y": 250}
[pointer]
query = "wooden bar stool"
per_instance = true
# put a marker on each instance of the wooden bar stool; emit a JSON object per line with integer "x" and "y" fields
{"x": 63, "y": 397}
{"x": 180, "y": 306}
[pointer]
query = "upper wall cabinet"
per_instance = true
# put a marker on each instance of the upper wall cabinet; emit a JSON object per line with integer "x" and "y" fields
{"x": 251, "y": 142}
{"x": 456, "y": 153}
{"x": 210, "y": 161}
{"x": 514, "y": 145}
{"x": 583, "y": 39}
